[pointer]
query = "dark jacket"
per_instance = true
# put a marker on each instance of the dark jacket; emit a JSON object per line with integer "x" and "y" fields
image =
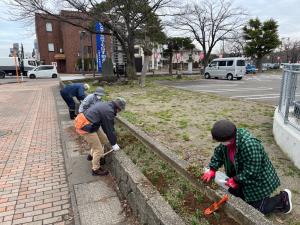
{"x": 102, "y": 114}
{"x": 74, "y": 90}
{"x": 253, "y": 168}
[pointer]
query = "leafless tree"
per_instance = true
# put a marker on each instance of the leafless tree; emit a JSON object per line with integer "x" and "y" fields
{"x": 209, "y": 22}
{"x": 291, "y": 50}
{"x": 235, "y": 45}
{"x": 121, "y": 18}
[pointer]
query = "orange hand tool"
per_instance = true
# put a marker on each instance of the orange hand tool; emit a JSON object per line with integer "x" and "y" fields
{"x": 215, "y": 206}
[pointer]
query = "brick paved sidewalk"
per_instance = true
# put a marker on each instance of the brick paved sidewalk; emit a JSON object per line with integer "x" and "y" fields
{"x": 33, "y": 185}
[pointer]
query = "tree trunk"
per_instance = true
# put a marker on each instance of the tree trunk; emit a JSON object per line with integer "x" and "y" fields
{"x": 130, "y": 68}
{"x": 170, "y": 63}
{"x": 205, "y": 61}
{"x": 259, "y": 64}
{"x": 144, "y": 71}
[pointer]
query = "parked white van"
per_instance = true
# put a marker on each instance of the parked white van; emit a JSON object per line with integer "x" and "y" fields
{"x": 226, "y": 68}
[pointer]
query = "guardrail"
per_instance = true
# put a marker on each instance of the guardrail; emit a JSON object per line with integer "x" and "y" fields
{"x": 289, "y": 102}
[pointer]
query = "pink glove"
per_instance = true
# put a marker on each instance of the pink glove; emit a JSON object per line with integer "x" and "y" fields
{"x": 207, "y": 176}
{"x": 231, "y": 183}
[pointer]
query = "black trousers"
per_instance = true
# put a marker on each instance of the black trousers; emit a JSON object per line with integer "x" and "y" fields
{"x": 266, "y": 205}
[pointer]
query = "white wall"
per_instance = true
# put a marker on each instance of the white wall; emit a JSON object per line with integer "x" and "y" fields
{"x": 287, "y": 138}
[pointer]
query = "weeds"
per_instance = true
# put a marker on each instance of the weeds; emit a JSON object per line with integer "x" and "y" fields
{"x": 164, "y": 115}
{"x": 130, "y": 116}
{"x": 183, "y": 123}
{"x": 186, "y": 137}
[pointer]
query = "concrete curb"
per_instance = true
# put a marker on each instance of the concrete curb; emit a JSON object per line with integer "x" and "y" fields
{"x": 146, "y": 202}
{"x": 66, "y": 159}
{"x": 235, "y": 207}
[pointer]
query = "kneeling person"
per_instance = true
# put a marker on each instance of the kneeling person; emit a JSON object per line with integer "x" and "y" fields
{"x": 252, "y": 176}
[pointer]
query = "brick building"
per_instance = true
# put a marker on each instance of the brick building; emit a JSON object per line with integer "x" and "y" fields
{"x": 59, "y": 41}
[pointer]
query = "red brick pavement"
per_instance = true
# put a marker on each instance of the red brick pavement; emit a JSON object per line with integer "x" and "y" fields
{"x": 33, "y": 185}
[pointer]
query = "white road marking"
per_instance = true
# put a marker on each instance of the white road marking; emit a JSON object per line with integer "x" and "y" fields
{"x": 266, "y": 97}
{"x": 249, "y": 96}
{"x": 208, "y": 86}
{"x": 236, "y": 90}
{"x": 263, "y": 97}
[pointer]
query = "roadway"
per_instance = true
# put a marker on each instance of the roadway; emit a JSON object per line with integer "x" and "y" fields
{"x": 259, "y": 88}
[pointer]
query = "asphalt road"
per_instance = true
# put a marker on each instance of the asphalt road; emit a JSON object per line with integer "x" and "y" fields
{"x": 259, "y": 88}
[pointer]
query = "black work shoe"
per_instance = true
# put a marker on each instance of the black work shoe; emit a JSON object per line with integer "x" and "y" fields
{"x": 102, "y": 161}
{"x": 286, "y": 197}
{"x": 89, "y": 157}
{"x": 99, "y": 172}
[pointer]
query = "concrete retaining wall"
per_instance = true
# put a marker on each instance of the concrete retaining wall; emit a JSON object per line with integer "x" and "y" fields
{"x": 146, "y": 202}
{"x": 287, "y": 138}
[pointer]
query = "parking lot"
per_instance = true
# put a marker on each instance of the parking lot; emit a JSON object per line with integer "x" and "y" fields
{"x": 260, "y": 88}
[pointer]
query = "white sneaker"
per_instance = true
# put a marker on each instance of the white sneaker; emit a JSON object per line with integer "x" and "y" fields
{"x": 287, "y": 199}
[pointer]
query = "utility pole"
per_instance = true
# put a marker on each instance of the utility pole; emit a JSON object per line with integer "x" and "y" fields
{"x": 82, "y": 33}
{"x": 17, "y": 67}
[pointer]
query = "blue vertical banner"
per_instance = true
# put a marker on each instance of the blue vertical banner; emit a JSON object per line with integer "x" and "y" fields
{"x": 100, "y": 43}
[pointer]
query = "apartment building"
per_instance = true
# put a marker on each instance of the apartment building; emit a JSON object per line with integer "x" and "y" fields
{"x": 59, "y": 41}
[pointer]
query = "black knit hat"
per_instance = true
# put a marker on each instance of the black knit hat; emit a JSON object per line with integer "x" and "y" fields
{"x": 223, "y": 130}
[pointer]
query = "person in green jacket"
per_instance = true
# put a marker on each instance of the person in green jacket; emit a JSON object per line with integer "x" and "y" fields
{"x": 252, "y": 176}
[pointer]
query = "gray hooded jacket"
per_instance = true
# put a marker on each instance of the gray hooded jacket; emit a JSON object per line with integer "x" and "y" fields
{"x": 90, "y": 100}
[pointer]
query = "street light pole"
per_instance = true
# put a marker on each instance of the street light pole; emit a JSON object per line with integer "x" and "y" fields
{"x": 93, "y": 61}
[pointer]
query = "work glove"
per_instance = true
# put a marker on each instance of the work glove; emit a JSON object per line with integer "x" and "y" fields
{"x": 231, "y": 183}
{"x": 207, "y": 176}
{"x": 116, "y": 147}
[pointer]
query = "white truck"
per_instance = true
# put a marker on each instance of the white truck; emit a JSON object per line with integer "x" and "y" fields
{"x": 8, "y": 66}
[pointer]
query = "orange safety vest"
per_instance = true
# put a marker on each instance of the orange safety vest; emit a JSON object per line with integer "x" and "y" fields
{"x": 80, "y": 122}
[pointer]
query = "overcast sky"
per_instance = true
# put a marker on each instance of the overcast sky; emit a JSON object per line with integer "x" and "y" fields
{"x": 286, "y": 12}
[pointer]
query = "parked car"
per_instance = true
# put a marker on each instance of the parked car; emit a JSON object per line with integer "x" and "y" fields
{"x": 250, "y": 68}
{"x": 43, "y": 71}
{"x": 226, "y": 68}
{"x": 268, "y": 66}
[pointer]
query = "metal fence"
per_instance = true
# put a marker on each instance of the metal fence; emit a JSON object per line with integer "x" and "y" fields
{"x": 289, "y": 102}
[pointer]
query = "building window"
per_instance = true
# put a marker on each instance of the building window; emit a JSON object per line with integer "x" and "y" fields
{"x": 49, "y": 27}
{"x": 50, "y": 47}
